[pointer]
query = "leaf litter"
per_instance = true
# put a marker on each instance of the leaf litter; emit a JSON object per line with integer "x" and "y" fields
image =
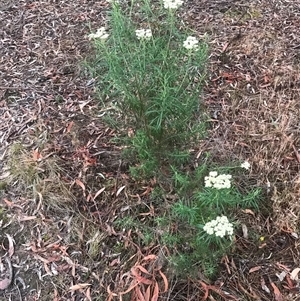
{"x": 251, "y": 93}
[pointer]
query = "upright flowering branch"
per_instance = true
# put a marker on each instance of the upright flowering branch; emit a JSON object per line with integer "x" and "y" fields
{"x": 191, "y": 44}
{"x": 220, "y": 227}
{"x": 217, "y": 181}
{"x": 100, "y": 34}
{"x": 143, "y": 34}
{"x": 172, "y": 4}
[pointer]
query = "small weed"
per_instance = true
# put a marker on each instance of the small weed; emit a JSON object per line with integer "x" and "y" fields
{"x": 145, "y": 234}
{"x": 94, "y": 244}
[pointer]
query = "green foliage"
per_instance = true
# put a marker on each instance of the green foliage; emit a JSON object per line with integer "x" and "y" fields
{"x": 201, "y": 205}
{"x": 145, "y": 233}
{"x": 154, "y": 83}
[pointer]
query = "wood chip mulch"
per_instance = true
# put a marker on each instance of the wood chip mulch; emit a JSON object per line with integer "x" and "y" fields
{"x": 252, "y": 93}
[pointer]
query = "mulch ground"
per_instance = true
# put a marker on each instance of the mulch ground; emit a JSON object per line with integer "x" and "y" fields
{"x": 48, "y": 109}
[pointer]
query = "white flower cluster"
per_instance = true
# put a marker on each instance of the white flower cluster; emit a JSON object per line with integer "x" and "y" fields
{"x": 172, "y": 4}
{"x": 217, "y": 181}
{"x": 219, "y": 227}
{"x": 100, "y": 34}
{"x": 191, "y": 43}
{"x": 246, "y": 165}
{"x": 143, "y": 34}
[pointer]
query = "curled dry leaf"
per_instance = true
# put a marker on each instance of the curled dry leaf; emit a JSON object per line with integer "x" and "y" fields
{"x": 120, "y": 190}
{"x": 11, "y": 248}
{"x": 99, "y": 192}
{"x": 245, "y": 231}
{"x": 254, "y": 269}
{"x": 155, "y": 292}
{"x": 165, "y": 281}
{"x": 294, "y": 274}
{"x": 79, "y": 183}
{"x": 248, "y": 211}
{"x": 79, "y": 286}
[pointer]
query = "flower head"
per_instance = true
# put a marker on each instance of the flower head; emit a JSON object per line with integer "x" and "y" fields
{"x": 100, "y": 34}
{"x": 191, "y": 43}
{"x": 172, "y": 4}
{"x": 219, "y": 227}
{"x": 143, "y": 34}
{"x": 246, "y": 165}
{"x": 217, "y": 181}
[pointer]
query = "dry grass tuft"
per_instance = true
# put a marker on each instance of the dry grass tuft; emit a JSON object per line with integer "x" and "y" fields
{"x": 38, "y": 176}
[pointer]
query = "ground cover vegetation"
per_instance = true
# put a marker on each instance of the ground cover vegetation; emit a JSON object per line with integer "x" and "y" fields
{"x": 149, "y": 150}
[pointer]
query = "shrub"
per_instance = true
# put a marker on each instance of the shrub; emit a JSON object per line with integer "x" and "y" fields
{"x": 152, "y": 72}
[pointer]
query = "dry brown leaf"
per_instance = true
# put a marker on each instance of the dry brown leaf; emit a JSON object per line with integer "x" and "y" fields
{"x": 11, "y": 204}
{"x": 254, "y": 269}
{"x": 56, "y": 298}
{"x": 155, "y": 292}
{"x": 141, "y": 268}
{"x": 245, "y": 231}
{"x": 79, "y": 183}
{"x": 141, "y": 279}
{"x": 134, "y": 283}
{"x": 26, "y": 218}
{"x": 36, "y": 155}
{"x": 69, "y": 127}
{"x": 83, "y": 104}
{"x": 120, "y": 190}
{"x": 110, "y": 293}
{"x": 79, "y": 286}
{"x": 248, "y": 211}
{"x": 98, "y": 192}
{"x": 277, "y": 293}
{"x": 11, "y": 248}
{"x": 206, "y": 290}
{"x": 88, "y": 294}
{"x": 148, "y": 292}
{"x": 165, "y": 281}
{"x": 5, "y": 283}
{"x": 294, "y": 274}
{"x": 139, "y": 294}
{"x": 150, "y": 257}
{"x": 289, "y": 282}
{"x": 41, "y": 258}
